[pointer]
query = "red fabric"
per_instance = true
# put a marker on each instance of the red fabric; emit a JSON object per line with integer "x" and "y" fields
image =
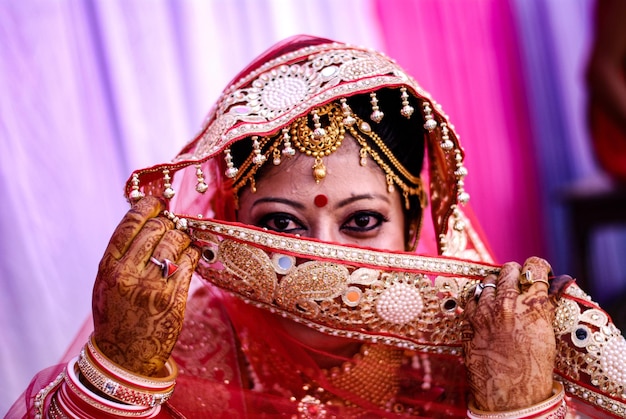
{"x": 281, "y": 367}
{"x": 24, "y": 405}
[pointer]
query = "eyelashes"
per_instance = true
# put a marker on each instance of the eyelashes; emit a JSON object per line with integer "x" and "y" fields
{"x": 359, "y": 222}
{"x": 281, "y": 222}
{"x": 364, "y": 221}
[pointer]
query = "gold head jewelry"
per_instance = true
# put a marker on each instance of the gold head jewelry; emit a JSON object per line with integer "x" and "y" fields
{"x": 330, "y": 123}
{"x": 319, "y": 142}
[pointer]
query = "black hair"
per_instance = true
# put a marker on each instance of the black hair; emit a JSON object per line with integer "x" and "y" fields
{"x": 403, "y": 136}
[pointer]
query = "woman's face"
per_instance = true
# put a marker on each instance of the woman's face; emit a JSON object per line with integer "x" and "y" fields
{"x": 351, "y": 205}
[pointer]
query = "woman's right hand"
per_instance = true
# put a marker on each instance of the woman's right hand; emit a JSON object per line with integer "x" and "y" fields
{"x": 138, "y": 314}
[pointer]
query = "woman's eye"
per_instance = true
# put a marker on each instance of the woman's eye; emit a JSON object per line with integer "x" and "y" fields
{"x": 280, "y": 222}
{"x": 364, "y": 221}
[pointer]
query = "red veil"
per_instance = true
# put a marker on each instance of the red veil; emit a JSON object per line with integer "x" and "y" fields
{"x": 235, "y": 358}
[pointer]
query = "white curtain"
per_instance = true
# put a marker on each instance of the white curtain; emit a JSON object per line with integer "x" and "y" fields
{"x": 90, "y": 90}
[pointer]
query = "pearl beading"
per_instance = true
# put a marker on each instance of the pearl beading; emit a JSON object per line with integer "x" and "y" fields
{"x": 40, "y": 398}
{"x": 600, "y": 353}
{"x": 400, "y": 304}
{"x": 276, "y": 242}
{"x": 609, "y": 404}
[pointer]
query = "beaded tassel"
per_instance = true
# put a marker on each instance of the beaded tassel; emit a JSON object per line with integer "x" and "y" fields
{"x": 135, "y": 193}
{"x": 276, "y": 157}
{"x": 407, "y": 110}
{"x": 231, "y": 170}
{"x": 460, "y": 172}
{"x": 168, "y": 192}
{"x": 390, "y": 187}
{"x": 258, "y": 158}
{"x": 201, "y": 186}
{"x": 363, "y": 156}
{"x": 318, "y": 132}
{"x": 319, "y": 169}
{"x": 377, "y": 115}
{"x": 288, "y": 150}
{"x": 459, "y": 224}
{"x": 430, "y": 124}
{"x": 446, "y": 143}
{"x": 348, "y": 119}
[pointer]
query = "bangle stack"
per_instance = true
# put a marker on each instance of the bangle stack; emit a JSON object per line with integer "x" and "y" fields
{"x": 75, "y": 400}
{"x": 94, "y": 386}
{"x": 123, "y": 385}
{"x": 552, "y": 408}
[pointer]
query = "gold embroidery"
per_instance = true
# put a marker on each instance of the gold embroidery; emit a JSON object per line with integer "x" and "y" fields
{"x": 413, "y": 302}
{"x": 597, "y": 349}
{"x": 311, "y": 282}
{"x": 364, "y": 296}
{"x": 252, "y": 268}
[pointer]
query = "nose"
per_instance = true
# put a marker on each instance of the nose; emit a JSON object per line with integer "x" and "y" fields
{"x": 325, "y": 230}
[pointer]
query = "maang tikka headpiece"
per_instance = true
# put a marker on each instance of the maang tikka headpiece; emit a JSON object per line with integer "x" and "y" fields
{"x": 330, "y": 123}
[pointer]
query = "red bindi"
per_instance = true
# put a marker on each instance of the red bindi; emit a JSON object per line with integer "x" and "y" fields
{"x": 320, "y": 201}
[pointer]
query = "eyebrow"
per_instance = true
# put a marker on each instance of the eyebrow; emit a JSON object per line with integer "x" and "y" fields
{"x": 355, "y": 198}
{"x": 301, "y": 206}
{"x": 289, "y": 202}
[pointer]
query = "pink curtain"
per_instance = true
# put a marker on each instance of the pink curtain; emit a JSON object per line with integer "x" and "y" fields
{"x": 464, "y": 52}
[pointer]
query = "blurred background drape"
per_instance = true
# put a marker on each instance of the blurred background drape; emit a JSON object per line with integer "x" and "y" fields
{"x": 92, "y": 89}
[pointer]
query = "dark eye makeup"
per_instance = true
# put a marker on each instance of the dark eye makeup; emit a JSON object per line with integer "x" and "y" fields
{"x": 363, "y": 222}
{"x": 281, "y": 222}
{"x": 357, "y": 223}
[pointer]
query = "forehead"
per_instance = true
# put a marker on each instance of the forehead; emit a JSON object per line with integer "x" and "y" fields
{"x": 344, "y": 174}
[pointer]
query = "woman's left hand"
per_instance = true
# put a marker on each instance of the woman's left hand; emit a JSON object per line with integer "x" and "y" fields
{"x": 509, "y": 341}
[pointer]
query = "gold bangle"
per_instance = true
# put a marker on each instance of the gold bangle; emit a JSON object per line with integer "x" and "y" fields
{"x": 548, "y": 408}
{"x": 129, "y": 377}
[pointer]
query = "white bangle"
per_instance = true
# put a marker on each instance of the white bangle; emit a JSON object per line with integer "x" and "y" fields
{"x": 552, "y": 408}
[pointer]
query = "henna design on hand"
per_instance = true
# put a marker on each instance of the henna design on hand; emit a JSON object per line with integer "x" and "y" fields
{"x": 509, "y": 340}
{"x": 137, "y": 313}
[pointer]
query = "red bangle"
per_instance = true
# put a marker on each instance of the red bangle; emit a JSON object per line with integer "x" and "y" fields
{"x": 75, "y": 400}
